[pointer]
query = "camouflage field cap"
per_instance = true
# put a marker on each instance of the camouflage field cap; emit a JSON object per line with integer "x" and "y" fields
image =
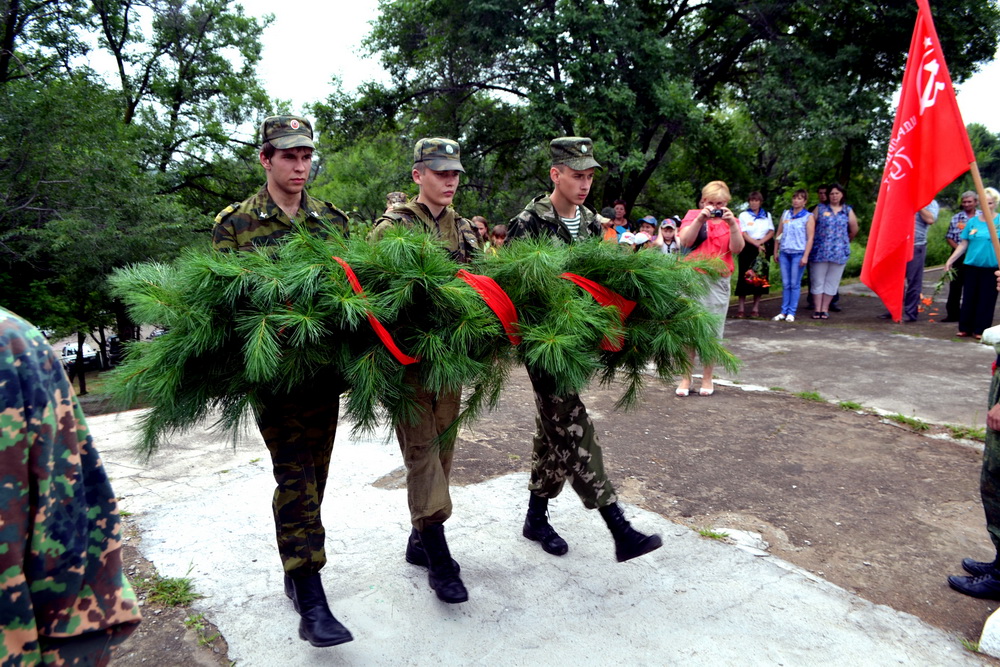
{"x": 575, "y": 152}
{"x": 395, "y": 198}
{"x": 287, "y": 132}
{"x": 438, "y": 154}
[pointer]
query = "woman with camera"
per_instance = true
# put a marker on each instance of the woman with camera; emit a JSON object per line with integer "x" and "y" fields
{"x": 712, "y": 233}
{"x": 836, "y": 226}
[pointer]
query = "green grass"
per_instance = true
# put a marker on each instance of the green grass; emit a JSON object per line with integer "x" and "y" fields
{"x": 776, "y": 389}
{"x": 810, "y": 396}
{"x": 256, "y": 460}
{"x": 970, "y": 646}
{"x": 197, "y": 623}
{"x": 712, "y": 534}
{"x": 171, "y": 591}
{"x": 967, "y": 432}
{"x": 850, "y": 405}
{"x": 513, "y": 457}
{"x": 912, "y": 422}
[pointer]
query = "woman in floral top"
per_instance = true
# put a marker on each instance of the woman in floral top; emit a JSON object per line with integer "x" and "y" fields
{"x": 836, "y": 225}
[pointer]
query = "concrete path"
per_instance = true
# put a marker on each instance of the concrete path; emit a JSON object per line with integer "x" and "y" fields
{"x": 204, "y": 509}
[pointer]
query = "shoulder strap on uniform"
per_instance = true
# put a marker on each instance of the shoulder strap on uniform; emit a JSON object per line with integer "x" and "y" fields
{"x": 226, "y": 212}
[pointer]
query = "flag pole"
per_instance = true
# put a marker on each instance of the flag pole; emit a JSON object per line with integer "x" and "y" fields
{"x": 985, "y": 206}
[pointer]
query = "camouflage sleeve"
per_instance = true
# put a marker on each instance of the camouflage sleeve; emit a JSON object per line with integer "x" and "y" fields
{"x": 64, "y": 598}
{"x": 522, "y": 225}
{"x": 223, "y": 233}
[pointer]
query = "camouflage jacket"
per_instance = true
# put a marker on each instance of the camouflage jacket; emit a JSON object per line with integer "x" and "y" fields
{"x": 539, "y": 218}
{"x": 258, "y": 221}
{"x": 459, "y": 235}
{"x": 64, "y": 598}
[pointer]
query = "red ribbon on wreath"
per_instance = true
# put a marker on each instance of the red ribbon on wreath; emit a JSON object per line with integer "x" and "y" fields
{"x": 497, "y": 300}
{"x": 380, "y": 330}
{"x": 605, "y": 297}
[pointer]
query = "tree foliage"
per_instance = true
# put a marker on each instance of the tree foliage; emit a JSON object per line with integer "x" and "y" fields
{"x": 766, "y": 95}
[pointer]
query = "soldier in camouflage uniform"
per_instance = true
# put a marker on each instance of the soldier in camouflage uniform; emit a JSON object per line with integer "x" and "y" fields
{"x": 64, "y": 599}
{"x": 985, "y": 579}
{"x": 298, "y": 427}
{"x": 436, "y": 167}
{"x": 565, "y": 444}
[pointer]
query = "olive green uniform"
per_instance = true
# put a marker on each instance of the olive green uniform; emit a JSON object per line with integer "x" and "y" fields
{"x": 565, "y": 443}
{"x": 298, "y": 427}
{"x": 989, "y": 481}
{"x": 428, "y": 458}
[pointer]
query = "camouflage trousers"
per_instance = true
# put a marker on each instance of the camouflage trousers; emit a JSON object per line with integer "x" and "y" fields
{"x": 989, "y": 479}
{"x": 565, "y": 445}
{"x": 298, "y": 430}
{"x": 427, "y": 459}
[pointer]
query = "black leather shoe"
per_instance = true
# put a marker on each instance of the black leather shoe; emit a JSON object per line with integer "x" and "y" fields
{"x": 538, "y": 529}
{"x": 834, "y": 308}
{"x": 416, "y": 555}
{"x": 983, "y": 586}
{"x": 442, "y": 575}
{"x": 317, "y": 625}
{"x": 978, "y": 568}
{"x": 629, "y": 542}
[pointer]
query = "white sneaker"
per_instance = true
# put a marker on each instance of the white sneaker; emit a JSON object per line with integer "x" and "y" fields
{"x": 790, "y": 318}
{"x": 779, "y": 317}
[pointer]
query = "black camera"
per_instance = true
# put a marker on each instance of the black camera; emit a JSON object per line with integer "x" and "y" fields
{"x": 718, "y": 213}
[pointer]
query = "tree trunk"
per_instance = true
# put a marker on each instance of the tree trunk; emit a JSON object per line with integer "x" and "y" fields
{"x": 78, "y": 364}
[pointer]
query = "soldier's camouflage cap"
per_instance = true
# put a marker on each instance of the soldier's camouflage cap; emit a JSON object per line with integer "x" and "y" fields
{"x": 395, "y": 198}
{"x": 438, "y": 154}
{"x": 577, "y": 153}
{"x": 287, "y": 132}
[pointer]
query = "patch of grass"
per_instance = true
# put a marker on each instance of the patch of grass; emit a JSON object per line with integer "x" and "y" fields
{"x": 776, "y": 389}
{"x": 513, "y": 457}
{"x": 127, "y": 513}
{"x": 850, "y": 405}
{"x": 967, "y": 432}
{"x": 970, "y": 646}
{"x": 256, "y": 460}
{"x": 223, "y": 472}
{"x": 197, "y": 623}
{"x": 171, "y": 591}
{"x": 712, "y": 534}
{"x": 810, "y": 396}
{"x": 912, "y": 422}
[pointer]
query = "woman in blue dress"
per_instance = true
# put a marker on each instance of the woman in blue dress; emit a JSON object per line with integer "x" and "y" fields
{"x": 836, "y": 226}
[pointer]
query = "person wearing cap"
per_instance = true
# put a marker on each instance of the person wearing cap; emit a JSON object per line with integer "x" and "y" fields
{"x": 645, "y": 237}
{"x": 667, "y": 240}
{"x": 426, "y": 455}
{"x": 298, "y": 426}
{"x": 393, "y": 198}
{"x": 565, "y": 441}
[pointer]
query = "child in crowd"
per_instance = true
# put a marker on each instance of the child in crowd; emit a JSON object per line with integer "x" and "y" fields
{"x": 497, "y": 237}
{"x": 646, "y": 234}
{"x": 792, "y": 246}
{"x": 668, "y": 237}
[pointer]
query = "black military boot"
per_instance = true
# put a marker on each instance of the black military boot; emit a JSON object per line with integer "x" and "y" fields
{"x": 317, "y": 626}
{"x": 416, "y": 555}
{"x": 290, "y": 592}
{"x": 629, "y": 543}
{"x": 442, "y": 570}
{"x": 537, "y": 528}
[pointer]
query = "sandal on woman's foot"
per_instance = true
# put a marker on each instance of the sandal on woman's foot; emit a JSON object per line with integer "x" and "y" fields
{"x": 962, "y": 334}
{"x": 740, "y": 315}
{"x": 682, "y": 392}
{"x": 705, "y": 391}
{"x": 824, "y": 316}
{"x": 817, "y": 315}
{"x": 754, "y": 313}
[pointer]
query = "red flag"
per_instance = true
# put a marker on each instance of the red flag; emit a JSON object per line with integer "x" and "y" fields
{"x": 929, "y": 148}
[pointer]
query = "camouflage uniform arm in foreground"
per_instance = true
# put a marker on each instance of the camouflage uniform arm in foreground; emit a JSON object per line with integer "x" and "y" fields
{"x": 64, "y": 599}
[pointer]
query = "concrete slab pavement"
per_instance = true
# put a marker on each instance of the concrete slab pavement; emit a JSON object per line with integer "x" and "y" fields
{"x": 205, "y": 509}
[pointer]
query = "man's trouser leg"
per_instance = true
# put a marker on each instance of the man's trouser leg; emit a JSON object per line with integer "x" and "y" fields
{"x": 427, "y": 459}
{"x": 914, "y": 283}
{"x": 298, "y": 430}
{"x": 989, "y": 480}
{"x": 565, "y": 445}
